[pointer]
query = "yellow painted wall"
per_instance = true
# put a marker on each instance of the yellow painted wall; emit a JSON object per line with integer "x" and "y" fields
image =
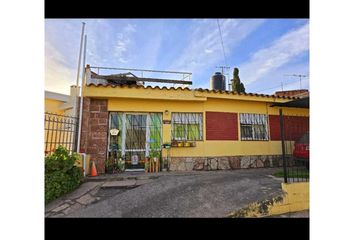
{"x": 52, "y": 106}
{"x": 154, "y": 100}
{"x": 295, "y": 198}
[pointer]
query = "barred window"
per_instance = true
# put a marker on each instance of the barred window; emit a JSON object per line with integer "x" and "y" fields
{"x": 254, "y": 126}
{"x": 187, "y": 126}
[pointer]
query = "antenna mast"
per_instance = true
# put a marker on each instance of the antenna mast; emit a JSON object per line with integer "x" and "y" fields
{"x": 299, "y": 76}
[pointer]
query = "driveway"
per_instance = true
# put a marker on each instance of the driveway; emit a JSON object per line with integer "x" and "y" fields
{"x": 197, "y": 194}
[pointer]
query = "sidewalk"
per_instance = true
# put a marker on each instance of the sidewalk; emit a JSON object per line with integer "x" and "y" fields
{"x": 141, "y": 175}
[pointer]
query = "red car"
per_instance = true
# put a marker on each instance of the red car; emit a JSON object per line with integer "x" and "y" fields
{"x": 302, "y": 149}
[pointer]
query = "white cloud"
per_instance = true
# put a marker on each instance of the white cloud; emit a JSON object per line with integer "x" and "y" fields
{"x": 123, "y": 43}
{"x": 279, "y": 53}
{"x": 204, "y": 49}
{"x": 58, "y": 76}
{"x": 129, "y": 28}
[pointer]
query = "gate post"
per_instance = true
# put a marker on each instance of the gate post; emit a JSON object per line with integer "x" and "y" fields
{"x": 283, "y": 145}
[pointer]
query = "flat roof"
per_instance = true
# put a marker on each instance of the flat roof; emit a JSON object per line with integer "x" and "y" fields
{"x": 56, "y": 96}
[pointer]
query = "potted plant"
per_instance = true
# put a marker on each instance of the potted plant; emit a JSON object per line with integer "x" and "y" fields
{"x": 186, "y": 144}
{"x": 120, "y": 165}
{"x": 180, "y": 144}
{"x": 147, "y": 164}
{"x": 155, "y": 158}
{"x": 109, "y": 167}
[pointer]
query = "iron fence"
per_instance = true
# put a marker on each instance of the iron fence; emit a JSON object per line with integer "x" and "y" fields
{"x": 295, "y": 147}
{"x": 60, "y": 130}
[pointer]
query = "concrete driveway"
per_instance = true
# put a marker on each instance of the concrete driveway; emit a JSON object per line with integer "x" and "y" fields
{"x": 198, "y": 194}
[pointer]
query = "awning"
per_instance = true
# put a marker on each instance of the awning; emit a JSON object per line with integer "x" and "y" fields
{"x": 298, "y": 103}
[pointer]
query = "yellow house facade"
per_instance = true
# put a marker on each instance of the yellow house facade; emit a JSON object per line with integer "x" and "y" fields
{"x": 189, "y": 129}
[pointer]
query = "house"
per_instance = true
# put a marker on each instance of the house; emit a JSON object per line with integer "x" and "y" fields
{"x": 59, "y": 103}
{"x": 293, "y": 93}
{"x": 60, "y": 124}
{"x": 208, "y": 129}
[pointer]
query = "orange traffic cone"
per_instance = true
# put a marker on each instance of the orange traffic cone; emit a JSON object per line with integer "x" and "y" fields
{"x": 93, "y": 170}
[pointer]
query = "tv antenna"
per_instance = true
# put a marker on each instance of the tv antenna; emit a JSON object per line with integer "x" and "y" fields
{"x": 300, "y": 76}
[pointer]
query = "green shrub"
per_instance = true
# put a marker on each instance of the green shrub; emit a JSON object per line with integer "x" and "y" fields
{"x": 61, "y": 174}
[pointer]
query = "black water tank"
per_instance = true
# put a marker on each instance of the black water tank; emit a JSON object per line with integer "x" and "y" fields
{"x": 218, "y": 82}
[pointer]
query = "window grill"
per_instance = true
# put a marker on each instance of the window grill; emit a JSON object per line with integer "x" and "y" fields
{"x": 254, "y": 127}
{"x": 187, "y": 126}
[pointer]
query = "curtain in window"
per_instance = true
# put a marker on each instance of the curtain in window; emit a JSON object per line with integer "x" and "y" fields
{"x": 187, "y": 126}
{"x": 155, "y": 128}
{"x": 254, "y": 126}
{"x": 116, "y": 123}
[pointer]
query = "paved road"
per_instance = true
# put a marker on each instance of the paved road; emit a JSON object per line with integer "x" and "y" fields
{"x": 210, "y": 194}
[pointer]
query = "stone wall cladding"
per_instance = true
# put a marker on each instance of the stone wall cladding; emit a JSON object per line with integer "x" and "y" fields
{"x": 225, "y": 163}
{"x": 94, "y": 131}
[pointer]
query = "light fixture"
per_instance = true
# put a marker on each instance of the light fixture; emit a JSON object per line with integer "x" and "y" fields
{"x": 166, "y": 112}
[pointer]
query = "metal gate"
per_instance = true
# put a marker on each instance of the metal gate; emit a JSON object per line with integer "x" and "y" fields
{"x": 294, "y": 133}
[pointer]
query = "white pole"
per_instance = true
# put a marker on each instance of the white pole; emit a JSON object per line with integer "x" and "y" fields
{"x": 78, "y": 71}
{"x": 81, "y": 96}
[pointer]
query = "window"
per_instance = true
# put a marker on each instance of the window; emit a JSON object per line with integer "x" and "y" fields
{"x": 253, "y": 126}
{"x": 187, "y": 126}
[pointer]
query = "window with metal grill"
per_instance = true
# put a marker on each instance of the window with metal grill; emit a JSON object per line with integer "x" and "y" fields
{"x": 187, "y": 126}
{"x": 254, "y": 127}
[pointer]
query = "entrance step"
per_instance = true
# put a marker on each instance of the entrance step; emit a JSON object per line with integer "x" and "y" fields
{"x": 119, "y": 184}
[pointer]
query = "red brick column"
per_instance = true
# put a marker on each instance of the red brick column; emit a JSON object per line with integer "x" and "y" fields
{"x": 94, "y": 130}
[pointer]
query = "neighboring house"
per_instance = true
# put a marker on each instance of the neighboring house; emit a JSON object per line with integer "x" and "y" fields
{"x": 59, "y": 124}
{"x": 219, "y": 129}
{"x": 59, "y": 103}
{"x": 301, "y": 93}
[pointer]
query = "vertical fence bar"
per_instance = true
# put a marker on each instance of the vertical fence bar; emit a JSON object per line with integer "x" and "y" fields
{"x": 283, "y": 145}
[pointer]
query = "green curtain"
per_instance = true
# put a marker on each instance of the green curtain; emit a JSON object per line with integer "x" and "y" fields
{"x": 155, "y": 130}
{"x": 116, "y": 123}
{"x": 179, "y": 131}
{"x": 193, "y": 132}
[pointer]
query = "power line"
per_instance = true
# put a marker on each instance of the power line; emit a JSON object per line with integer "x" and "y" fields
{"x": 222, "y": 42}
{"x": 297, "y": 75}
{"x": 223, "y": 50}
{"x": 279, "y": 86}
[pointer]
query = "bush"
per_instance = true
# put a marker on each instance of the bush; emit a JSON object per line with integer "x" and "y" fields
{"x": 61, "y": 174}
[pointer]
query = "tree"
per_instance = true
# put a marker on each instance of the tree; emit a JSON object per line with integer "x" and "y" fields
{"x": 237, "y": 85}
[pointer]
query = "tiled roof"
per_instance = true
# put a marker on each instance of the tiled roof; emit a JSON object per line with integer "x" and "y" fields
{"x": 188, "y": 89}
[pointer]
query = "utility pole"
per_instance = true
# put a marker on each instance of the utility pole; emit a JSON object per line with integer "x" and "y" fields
{"x": 228, "y": 76}
{"x": 297, "y": 75}
{"x": 75, "y": 107}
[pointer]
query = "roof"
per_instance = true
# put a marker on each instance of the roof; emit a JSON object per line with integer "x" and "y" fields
{"x": 56, "y": 96}
{"x": 188, "y": 89}
{"x": 294, "y": 93}
{"x": 297, "y": 103}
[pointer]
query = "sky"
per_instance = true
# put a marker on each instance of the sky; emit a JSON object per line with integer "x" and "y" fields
{"x": 264, "y": 50}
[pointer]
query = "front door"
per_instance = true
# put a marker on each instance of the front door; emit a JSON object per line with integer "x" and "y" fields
{"x": 135, "y": 141}
{"x": 132, "y": 137}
